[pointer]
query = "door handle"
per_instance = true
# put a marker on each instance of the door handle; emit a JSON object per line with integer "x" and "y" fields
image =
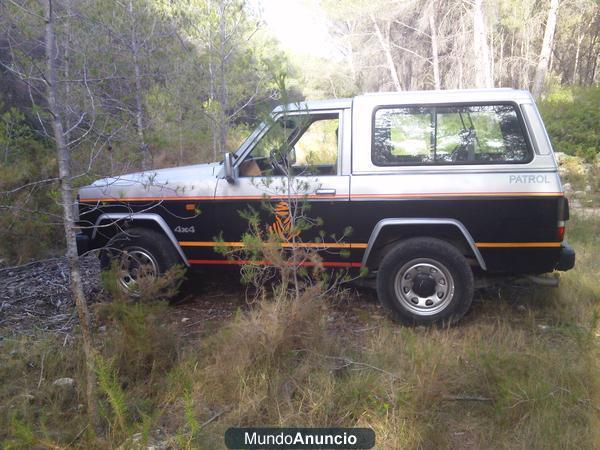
{"x": 325, "y": 192}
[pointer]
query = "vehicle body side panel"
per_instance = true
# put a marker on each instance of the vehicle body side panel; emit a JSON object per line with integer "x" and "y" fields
{"x": 511, "y": 211}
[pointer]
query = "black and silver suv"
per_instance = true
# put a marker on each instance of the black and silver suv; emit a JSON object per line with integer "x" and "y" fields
{"x": 439, "y": 187}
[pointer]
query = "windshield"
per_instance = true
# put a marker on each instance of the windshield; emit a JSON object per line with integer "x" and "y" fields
{"x": 249, "y": 140}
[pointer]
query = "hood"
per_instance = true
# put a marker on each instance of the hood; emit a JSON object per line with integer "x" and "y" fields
{"x": 185, "y": 181}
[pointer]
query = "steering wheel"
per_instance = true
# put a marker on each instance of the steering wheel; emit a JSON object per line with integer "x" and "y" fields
{"x": 278, "y": 161}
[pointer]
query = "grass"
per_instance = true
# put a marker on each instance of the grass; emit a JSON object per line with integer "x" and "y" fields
{"x": 521, "y": 371}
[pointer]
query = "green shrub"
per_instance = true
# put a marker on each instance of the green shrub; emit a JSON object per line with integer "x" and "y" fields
{"x": 29, "y": 213}
{"x": 572, "y": 119}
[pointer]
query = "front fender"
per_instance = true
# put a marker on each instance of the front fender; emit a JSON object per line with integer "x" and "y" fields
{"x": 140, "y": 218}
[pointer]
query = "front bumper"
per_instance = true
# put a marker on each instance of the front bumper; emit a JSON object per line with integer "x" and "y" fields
{"x": 83, "y": 243}
{"x": 566, "y": 260}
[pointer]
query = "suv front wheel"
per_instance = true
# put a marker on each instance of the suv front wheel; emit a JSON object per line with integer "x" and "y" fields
{"x": 139, "y": 254}
{"x": 425, "y": 281}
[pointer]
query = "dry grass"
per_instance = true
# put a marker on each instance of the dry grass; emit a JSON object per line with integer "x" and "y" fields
{"x": 521, "y": 371}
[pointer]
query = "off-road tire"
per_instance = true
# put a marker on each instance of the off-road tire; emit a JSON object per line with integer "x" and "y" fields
{"x": 425, "y": 254}
{"x": 155, "y": 244}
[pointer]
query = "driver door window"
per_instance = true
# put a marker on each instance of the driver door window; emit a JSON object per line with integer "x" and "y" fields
{"x": 303, "y": 145}
{"x": 296, "y": 145}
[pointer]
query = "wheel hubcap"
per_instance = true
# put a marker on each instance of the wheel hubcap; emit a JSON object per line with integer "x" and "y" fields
{"x": 424, "y": 286}
{"x": 136, "y": 265}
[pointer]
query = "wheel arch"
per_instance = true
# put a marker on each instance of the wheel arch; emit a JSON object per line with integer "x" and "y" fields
{"x": 389, "y": 231}
{"x": 145, "y": 220}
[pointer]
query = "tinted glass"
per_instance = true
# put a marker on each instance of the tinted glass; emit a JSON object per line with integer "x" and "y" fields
{"x": 489, "y": 134}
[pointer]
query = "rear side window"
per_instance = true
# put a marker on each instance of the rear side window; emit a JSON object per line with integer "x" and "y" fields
{"x": 434, "y": 135}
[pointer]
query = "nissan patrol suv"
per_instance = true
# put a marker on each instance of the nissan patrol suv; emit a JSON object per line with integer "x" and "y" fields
{"x": 439, "y": 188}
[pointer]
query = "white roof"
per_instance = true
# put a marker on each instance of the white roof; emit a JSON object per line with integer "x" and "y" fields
{"x": 431, "y": 96}
{"x": 450, "y": 96}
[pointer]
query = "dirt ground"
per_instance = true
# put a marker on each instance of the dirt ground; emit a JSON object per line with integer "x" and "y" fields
{"x": 35, "y": 297}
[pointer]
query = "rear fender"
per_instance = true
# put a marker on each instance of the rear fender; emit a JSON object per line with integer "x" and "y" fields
{"x": 418, "y": 227}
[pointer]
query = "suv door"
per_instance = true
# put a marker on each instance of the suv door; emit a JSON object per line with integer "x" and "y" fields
{"x": 299, "y": 158}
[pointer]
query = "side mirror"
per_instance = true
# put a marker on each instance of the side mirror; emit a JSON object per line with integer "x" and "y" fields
{"x": 228, "y": 166}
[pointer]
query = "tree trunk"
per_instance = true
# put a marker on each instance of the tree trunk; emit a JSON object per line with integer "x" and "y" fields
{"x": 526, "y": 52}
{"x": 542, "y": 67}
{"x": 351, "y": 62}
{"x": 67, "y": 66}
{"x": 139, "y": 108}
{"x": 501, "y": 62}
{"x": 388, "y": 54}
{"x": 223, "y": 126}
{"x": 492, "y": 59}
{"x": 180, "y": 129}
{"x": 590, "y": 66}
{"x": 576, "y": 64}
{"x": 212, "y": 95}
{"x": 66, "y": 191}
{"x": 512, "y": 60}
{"x": 483, "y": 65}
{"x": 434, "y": 52}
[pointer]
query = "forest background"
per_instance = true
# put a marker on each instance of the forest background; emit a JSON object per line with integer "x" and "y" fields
{"x": 151, "y": 84}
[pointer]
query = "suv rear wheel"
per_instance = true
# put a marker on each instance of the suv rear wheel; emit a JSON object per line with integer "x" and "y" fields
{"x": 138, "y": 253}
{"x": 425, "y": 281}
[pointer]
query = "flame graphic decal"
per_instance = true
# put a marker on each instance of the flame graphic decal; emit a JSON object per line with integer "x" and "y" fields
{"x": 282, "y": 226}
